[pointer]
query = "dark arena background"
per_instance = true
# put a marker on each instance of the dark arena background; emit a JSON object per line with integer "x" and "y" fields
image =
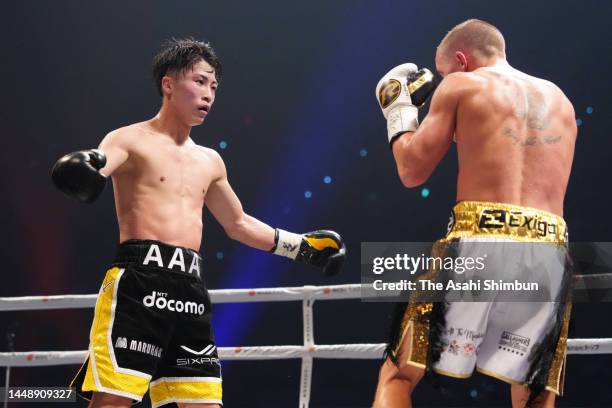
{"x": 304, "y": 142}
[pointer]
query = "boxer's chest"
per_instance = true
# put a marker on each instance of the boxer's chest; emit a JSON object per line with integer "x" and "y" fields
{"x": 185, "y": 171}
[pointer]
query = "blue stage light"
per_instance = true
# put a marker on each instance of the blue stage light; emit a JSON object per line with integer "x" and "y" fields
{"x": 307, "y": 194}
{"x": 424, "y": 192}
{"x": 327, "y": 179}
{"x": 223, "y": 144}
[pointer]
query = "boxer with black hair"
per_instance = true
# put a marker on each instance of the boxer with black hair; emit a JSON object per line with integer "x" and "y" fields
{"x": 152, "y": 323}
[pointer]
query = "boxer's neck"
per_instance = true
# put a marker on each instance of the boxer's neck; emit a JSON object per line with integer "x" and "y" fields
{"x": 493, "y": 62}
{"x": 168, "y": 123}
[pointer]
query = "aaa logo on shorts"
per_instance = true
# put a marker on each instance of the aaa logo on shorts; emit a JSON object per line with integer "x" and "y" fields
{"x": 160, "y": 301}
{"x": 389, "y": 92}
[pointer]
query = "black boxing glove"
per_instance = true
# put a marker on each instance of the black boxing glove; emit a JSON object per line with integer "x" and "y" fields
{"x": 322, "y": 248}
{"x": 421, "y": 84}
{"x": 77, "y": 174}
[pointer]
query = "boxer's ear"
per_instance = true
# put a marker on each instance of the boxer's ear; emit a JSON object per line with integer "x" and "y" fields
{"x": 462, "y": 61}
{"x": 167, "y": 84}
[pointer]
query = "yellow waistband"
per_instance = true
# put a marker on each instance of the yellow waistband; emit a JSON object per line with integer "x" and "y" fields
{"x": 479, "y": 218}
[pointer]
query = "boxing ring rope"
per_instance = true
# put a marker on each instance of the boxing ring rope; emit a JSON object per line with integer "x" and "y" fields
{"x": 306, "y": 352}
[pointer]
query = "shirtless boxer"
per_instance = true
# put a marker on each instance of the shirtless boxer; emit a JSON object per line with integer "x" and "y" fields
{"x": 152, "y": 318}
{"x": 515, "y": 138}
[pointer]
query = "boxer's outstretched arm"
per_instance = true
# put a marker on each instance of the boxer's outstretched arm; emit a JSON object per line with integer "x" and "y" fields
{"x": 227, "y": 210}
{"x": 324, "y": 249}
{"x": 418, "y": 153}
{"x": 115, "y": 147}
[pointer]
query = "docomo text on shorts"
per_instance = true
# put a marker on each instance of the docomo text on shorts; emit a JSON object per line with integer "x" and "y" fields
{"x": 405, "y": 262}
{"x": 158, "y": 300}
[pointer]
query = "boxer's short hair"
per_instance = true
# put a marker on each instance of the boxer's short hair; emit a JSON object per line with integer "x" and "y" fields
{"x": 482, "y": 38}
{"x": 179, "y": 55}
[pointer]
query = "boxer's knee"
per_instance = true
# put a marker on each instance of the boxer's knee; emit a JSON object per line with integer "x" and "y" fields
{"x": 403, "y": 371}
{"x": 406, "y": 375}
{"x": 396, "y": 384}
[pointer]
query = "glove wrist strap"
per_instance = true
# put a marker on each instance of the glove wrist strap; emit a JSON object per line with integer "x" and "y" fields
{"x": 287, "y": 243}
{"x": 402, "y": 119}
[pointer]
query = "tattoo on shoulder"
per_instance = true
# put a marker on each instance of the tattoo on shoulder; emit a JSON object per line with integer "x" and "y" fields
{"x": 532, "y": 107}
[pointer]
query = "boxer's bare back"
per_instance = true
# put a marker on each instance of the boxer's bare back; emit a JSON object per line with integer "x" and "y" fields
{"x": 515, "y": 139}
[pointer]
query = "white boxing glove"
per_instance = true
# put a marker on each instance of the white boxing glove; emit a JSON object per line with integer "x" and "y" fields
{"x": 395, "y": 101}
{"x": 400, "y": 93}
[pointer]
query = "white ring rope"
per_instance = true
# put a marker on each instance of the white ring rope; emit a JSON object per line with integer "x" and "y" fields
{"x": 333, "y": 351}
{"x": 306, "y": 352}
{"x": 352, "y": 291}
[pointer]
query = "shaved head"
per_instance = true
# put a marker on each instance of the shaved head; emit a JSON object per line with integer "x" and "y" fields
{"x": 477, "y": 37}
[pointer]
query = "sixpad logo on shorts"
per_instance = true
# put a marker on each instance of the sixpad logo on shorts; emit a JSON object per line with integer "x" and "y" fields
{"x": 207, "y": 357}
{"x": 389, "y": 92}
{"x": 160, "y": 301}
